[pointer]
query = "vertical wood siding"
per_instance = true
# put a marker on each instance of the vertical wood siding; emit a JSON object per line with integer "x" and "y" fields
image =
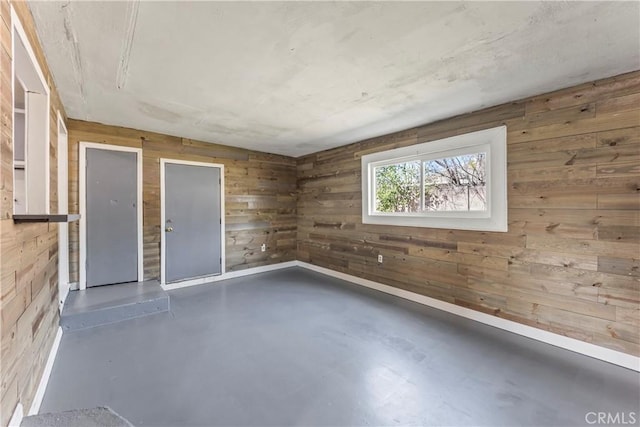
{"x": 570, "y": 262}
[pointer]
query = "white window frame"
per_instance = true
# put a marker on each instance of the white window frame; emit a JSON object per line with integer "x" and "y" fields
{"x": 37, "y": 182}
{"x": 491, "y": 141}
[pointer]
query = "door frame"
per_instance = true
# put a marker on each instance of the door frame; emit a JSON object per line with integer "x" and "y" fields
{"x": 82, "y": 175}
{"x": 163, "y": 162}
{"x": 63, "y": 208}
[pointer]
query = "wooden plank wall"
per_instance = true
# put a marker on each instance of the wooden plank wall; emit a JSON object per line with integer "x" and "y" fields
{"x": 28, "y": 252}
{"x": 260, "y": 194}
{"x": 570, "y": 260}
{"x": 569, "y": 263}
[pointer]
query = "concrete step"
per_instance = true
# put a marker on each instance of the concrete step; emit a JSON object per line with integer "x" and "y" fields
{"x": 109, "y": 304}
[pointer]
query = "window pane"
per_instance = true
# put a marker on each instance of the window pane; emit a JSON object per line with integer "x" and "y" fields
{"x": 456, "y": 183}
{"x": 397, "y": 187}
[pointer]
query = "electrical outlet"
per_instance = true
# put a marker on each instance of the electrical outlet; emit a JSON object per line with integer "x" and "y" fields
{"x": 380, "y": 259}
{"x": 263, "y": 247}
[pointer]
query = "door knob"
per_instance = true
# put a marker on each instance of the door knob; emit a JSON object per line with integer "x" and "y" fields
{"x": 168, "y": 229}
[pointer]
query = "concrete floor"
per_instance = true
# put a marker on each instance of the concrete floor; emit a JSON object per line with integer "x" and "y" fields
{"x": 294, "y": 347}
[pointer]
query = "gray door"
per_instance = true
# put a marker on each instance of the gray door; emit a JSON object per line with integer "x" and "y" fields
{"x": 111, "y": 215}
{"x": 193, "y": 239}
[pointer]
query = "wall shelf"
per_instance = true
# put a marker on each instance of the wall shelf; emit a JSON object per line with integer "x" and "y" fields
{"x": 46, "y": 217}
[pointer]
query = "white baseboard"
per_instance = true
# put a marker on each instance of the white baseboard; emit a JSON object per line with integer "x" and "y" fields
{"x": 229, "y": 275}
{"x": 44, "y": 380}
{"x": 612, "y": 356}
{"x": 615, "y": 357}
{"x": 18, "y": 413}
{"x": 16, "y": 418}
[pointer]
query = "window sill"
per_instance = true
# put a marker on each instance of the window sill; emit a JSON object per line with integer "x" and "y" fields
{"x": 449, "y": 223}
{"x": 46, "y": 218}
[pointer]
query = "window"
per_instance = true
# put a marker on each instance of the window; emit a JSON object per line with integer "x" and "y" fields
{"x": 30, "y": 127}
{"x": 458, "y": 182}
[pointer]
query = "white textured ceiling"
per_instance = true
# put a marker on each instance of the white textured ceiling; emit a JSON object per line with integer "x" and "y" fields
{"x": 300, "y": 77}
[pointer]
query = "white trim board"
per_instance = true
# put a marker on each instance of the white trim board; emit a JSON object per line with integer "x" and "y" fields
{"x": 615, "y": 357}
{"x": 163, "y": 241}
{"x": 591, "y": 350}
{"x": 63, "y": 208}
{"x": 46, "y": 374}
{"x": 18, "y": 415}
{"x": 16, "y": 26}
{"x": 597, "y": 352}
{"x": 82, "y": 177}
{"x": 229, "y": 275}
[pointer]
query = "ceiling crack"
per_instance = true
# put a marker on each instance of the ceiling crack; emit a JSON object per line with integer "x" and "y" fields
{"x": 127, "y": 43}
{"x": 76, "y": 62}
